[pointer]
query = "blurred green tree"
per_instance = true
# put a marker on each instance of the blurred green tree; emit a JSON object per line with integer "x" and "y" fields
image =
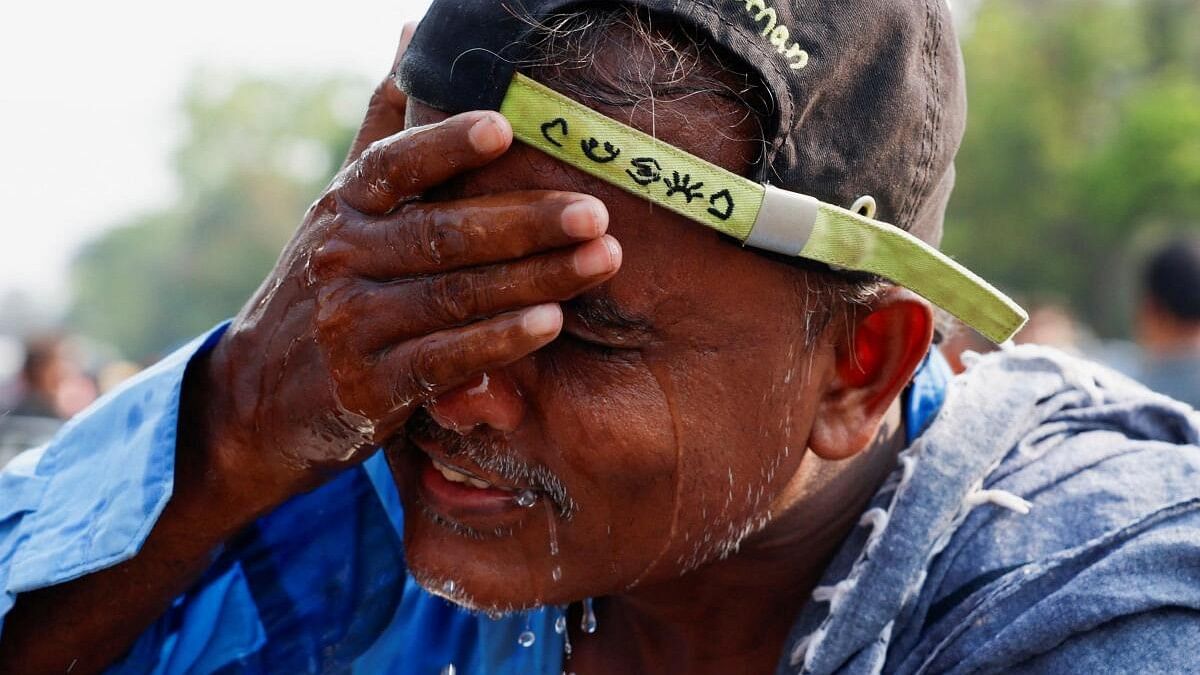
{"x": 1082, "y": 148}
{"x": 255, "y": 154}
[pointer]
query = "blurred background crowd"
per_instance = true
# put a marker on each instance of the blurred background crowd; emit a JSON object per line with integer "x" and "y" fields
{"x": 1078, "y": 193}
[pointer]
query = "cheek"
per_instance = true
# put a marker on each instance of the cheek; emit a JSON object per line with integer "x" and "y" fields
{"x": 615, "y": 429}
{"x": 743, "y": 426}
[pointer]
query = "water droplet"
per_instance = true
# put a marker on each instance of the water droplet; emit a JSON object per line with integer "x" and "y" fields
{"x": 449, "y": 587}
{"x": 588, "y": 623}
{"x": 560, "y": 627}
{"x": 526, "y": 498}
{"x": 449, "y": 669}
{"x": 556, "y": 573}
{"x": 526, "y": 638}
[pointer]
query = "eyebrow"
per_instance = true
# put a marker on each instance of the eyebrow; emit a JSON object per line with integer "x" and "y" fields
{"x": 599, "y": 310}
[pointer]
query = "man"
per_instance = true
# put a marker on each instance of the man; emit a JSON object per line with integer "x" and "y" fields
{"x": 53, "y": 384}
{"x": 707, "y": 440}
{"x": 51, "y": 387}
{"x": 1168, "y": 321}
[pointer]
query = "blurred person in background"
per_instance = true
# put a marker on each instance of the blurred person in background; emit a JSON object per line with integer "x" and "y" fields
{"x": 53, "y": 382}
{"x": 39, "y": 377}
{"x": 51, "y": 387}
{"x": 1052, "y": 324}
{"x": 1167, "y": 324}
{"x": 111, "y": 375}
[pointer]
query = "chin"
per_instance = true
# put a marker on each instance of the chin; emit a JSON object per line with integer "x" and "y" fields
{"x": 481, "y": 571}
{"x": 483, "y": 550}
{"x": 478, "y": 548}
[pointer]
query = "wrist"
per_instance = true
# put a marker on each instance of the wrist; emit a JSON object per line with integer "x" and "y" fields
{"x": 218, "y": 473}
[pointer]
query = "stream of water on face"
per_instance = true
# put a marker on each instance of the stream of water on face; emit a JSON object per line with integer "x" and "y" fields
{"x": 527, "y": 637}
{"x": 552, "y": 529}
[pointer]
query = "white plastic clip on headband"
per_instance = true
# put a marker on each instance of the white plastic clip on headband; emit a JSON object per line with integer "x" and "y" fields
{"x": 758, "y": 215}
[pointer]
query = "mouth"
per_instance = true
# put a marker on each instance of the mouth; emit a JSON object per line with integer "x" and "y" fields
{"x": 457, "y": 475}
{"x": 472, "y": 483}
{"x": 461, "y": 493}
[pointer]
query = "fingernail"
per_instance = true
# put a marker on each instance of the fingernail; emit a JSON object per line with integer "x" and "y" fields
{"x": 542, "y": 320}
{"x": 584, "y": 219}
{"x": 486, "y": 136}
{"x": 614, "y": 250}
{"x": 593, "y": 260}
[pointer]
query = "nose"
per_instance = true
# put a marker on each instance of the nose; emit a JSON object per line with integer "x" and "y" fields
{"x": 491, "y": 398}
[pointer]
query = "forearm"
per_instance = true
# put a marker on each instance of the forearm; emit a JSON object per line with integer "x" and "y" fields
{"x": 83, "y": 625}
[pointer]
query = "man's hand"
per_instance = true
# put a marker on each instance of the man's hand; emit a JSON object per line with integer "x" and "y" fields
{"x": 382, "y": 301}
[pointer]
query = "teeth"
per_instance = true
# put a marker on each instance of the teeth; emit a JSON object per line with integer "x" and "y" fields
{"x": 455, "y": 476}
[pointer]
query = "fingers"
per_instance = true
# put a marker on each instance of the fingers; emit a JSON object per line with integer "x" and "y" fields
{"x": 387, "y": 313}
{"x": 406, "y": 164}
{"x": 425, "y": 238}
{"x": 415, "y": 371}
{"x": 385, "y": 112}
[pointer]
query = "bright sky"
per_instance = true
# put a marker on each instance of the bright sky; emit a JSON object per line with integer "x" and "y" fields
{"x": 88, "y": 99}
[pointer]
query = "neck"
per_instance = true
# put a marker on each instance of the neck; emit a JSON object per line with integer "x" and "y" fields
{"x": 734, "y": 615}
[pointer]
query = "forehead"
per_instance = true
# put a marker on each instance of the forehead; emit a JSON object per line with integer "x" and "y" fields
{"x": 671, "y": 264}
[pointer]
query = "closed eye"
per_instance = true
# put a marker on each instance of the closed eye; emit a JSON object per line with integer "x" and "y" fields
{"x": 590, "y": 345}
{"x": 598, "y": 319}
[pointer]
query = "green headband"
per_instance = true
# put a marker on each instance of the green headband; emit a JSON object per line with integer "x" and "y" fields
{"x": 758, "y": 215}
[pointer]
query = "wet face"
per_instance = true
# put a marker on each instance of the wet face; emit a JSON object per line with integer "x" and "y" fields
{"x": 660, "y": 428}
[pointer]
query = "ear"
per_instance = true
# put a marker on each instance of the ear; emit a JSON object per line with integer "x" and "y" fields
{"x": 872, "y": 366}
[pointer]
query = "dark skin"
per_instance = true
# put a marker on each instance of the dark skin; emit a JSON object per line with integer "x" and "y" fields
{"x": 672, "y": 400}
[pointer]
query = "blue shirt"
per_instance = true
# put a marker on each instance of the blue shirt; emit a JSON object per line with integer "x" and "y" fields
{"x": 942, "y": 571}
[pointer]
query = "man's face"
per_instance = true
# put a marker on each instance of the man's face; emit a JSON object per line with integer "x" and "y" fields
{"x": 668, "y": 417}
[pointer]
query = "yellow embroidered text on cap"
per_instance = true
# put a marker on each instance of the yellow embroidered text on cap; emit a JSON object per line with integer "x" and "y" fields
{"x": 776, "y": 33}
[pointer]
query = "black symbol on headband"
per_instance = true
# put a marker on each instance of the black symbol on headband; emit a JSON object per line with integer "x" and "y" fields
{"x": 556, "y": 122}
{"x": 682, "y": 186}
{"x": 723, "y": 194}
{"x": 648, "y": 171}
{"x": 589, "y": 147}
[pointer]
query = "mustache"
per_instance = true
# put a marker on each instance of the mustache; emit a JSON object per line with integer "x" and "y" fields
{"x": 490, "y": 451}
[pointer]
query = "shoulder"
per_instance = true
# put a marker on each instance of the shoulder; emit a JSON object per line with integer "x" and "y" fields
{"x": 1094, "y": 454}
{"x": 1111, "y": 542}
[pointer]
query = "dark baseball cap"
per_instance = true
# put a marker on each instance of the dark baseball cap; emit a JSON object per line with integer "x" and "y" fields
{"x": 869, "y": 112}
